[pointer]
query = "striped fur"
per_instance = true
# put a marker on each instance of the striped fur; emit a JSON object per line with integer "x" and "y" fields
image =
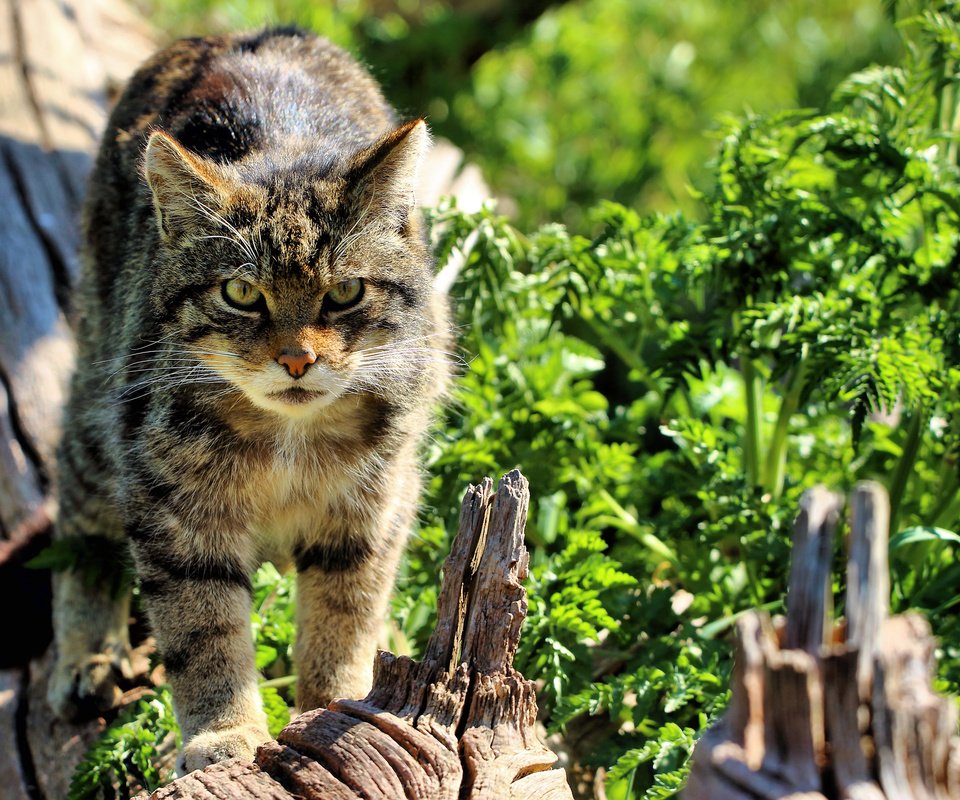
{"x": 274, "y": 159}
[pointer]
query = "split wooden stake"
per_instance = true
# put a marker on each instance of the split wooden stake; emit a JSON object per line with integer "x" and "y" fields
{"x": 829, "y": 712}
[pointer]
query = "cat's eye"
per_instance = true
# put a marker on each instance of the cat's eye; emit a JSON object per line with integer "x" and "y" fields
{"x": 345, "y": 294}
{"x": 241, "y": 294}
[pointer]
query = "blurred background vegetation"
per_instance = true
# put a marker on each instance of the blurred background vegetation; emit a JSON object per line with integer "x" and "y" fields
{"x": 564, "y": 104}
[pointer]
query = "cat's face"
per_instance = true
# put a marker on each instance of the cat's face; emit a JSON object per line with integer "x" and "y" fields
{"x": 298, "y": 289}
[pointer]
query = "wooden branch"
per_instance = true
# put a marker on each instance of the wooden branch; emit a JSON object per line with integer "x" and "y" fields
{"x": 851, "y": 715}
{"x": 458, "y": 725}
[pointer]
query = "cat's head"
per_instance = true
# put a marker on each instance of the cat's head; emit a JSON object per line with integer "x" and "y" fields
{"x": 296, "y": 279}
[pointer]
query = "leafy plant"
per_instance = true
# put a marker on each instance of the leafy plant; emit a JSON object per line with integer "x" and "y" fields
{"x": 94, "y": 558}
{"x": 124, "y": 760}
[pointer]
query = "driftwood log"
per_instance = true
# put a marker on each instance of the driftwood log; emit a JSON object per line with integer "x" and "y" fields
{"x": 824, "y": 710}
{"x": 458, "y": 725}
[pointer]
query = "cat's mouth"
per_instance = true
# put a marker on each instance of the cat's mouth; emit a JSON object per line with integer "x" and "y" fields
{"x": 297, "y": 396}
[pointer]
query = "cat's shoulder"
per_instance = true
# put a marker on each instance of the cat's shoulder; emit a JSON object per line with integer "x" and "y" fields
{"x": 209, "y": 90}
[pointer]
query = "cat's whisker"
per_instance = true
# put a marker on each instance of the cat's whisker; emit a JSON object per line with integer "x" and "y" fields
{"x": 124, "y": 356}
{"x": 237, "y": 238}
{"x": 221, "y": 236}
{"x": 187, "y": 371}
{"x": 202, "y": 351}
{"x": 401, "y": 344}
{"x": 349, "y": 238}
{"x": 165, "y": 361}
{"x": 392, "y": 348}
{"x": 162, "y": 361}
{"x": 136, "y": 367}
{"x": 407, "y": 352}
{"x": 160, "y": 347}
{"x": 162, "y": 340}
{"x": 404, "y": 345}
{"x": 188, "y": 352}
{"x": 172, "y": 376}
{"x": 403, "y": 362}
{"x": 178, "y": 372}
{"x": 240, "y": 273}
{"x": 144, "y": 391}
{"x": 137, "y": 391}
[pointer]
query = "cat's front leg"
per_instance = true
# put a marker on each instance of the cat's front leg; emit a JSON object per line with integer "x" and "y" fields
{"x": 343, "y": 586}
{"x": 199, "y": 608}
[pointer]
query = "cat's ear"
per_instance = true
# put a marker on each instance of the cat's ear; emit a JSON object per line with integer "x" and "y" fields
{"x": 184, "y": 186}
{"x": 383, "y": 176}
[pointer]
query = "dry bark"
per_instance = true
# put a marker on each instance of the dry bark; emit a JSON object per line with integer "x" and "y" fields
{"x": 841, "y": 711}
{"x": 458, "y": 725}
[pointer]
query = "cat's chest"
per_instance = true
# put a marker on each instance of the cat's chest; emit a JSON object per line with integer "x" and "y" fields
{"x": 303, "y": 495}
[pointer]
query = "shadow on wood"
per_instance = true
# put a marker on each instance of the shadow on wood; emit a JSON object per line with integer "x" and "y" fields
{"x": 824, "y": 710}
{"x": 458, "y": 724}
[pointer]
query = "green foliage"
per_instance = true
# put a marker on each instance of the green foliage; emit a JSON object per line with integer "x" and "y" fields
{"x": 273, "y": 622}
{"x": 276, "y": 708}
{"x": 559, "y": 122}
{"x": 123, "y": 761}
{"x": 671, "y": 388}
{"x": 273, "y": 636}
{"x": 665, "y": 752}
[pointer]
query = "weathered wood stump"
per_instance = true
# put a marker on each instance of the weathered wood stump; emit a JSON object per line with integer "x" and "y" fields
{"x": 824, "y": 710}
{"x": 458, "y": 724}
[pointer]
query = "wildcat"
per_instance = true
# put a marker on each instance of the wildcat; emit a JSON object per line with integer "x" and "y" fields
{"x": 260, "y": 347}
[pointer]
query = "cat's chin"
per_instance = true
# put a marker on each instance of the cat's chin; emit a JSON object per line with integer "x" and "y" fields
{"x": 294, "y": 402}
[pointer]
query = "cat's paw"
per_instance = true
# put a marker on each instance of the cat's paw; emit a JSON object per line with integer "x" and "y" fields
{"x": 211, "y": 747}
{"x": 86, "y": 686}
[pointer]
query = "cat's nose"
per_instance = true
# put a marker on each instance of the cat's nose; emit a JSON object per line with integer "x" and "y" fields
{"x": 296, "y": 360}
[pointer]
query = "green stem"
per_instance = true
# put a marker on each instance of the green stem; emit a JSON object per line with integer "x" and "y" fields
{"x": 630, "y": 524}
{"x": 908, "y": 458}
{"x": 683, "y": 389}
{"x": 948, "y": 517}
{"x": 947, "y": 495}
{"x": 954, "y": 130}
{"x": 775, "y": 465}
{"x": 753, "y": 392}
{"x": 712, "y": 630}
{"x": 948, "y": 107}
{"x": 279, "y": 683}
